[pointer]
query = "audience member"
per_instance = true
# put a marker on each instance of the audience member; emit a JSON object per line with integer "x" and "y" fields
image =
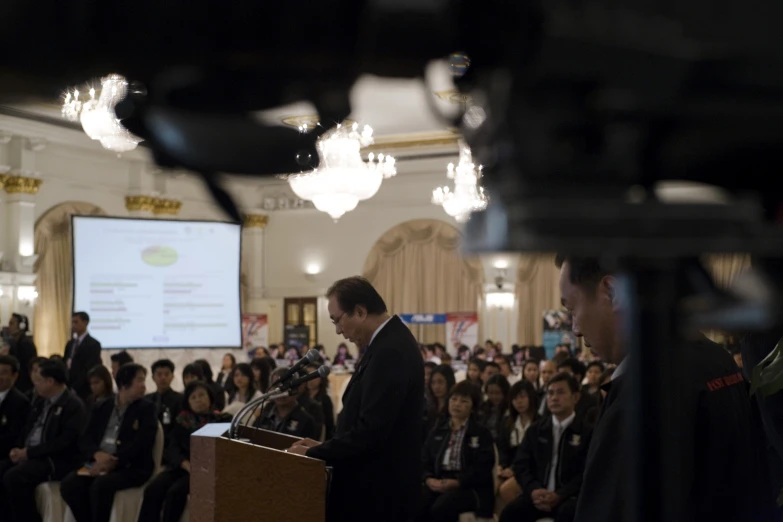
{"x": 32, "y": 369}
{"x": 530, "y": 373}
{"x": 192, "y": 372}
{"x": 168, "y": 403}
{"x": 262, "y": 370}
{"x": 437, "y": 394}
{"x": 495, "y": 409}
{"x": 117, "y": 449}
{"x": 21, "y": 347}
{"x": 505, "y": 369}
{"x": 428, "y": 367}
{"x": 318, "y": 390}
{"x": 458, "y": 458}
{"x": 49, "y": 445}
{"x": 166, "y": 496}
{"x": 523, "y": 413}
{"x": 118, "y": 360}
{"x": 551, "y": 459}
{"x": 82, "y": 353}
{"x": 490, "y": 368}
{"x": 313, "y": 408}
{"x": 593, "y": 378}
{"x": 225, "y": 376}
{"x": 588, "y": 405}
{"x": 14, "y": 407}
{"x": 245, "y": 391}
{"x": 463, "y": 353}
{"x": 217, "y": 389}
{"x": 101, "y": 386}
{"x": 286, "y": 415}
{"x": 343, "y": 355}
{"x": 475, "y": 370}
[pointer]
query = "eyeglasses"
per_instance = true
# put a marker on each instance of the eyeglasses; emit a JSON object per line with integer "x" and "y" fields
{"x": 337, "y": 321}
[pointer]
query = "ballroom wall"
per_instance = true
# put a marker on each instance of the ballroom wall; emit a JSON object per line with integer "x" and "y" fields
{"x": 74, "y": 168}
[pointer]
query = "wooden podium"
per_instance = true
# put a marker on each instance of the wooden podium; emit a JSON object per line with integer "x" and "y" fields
{"x": 234, "y": 480}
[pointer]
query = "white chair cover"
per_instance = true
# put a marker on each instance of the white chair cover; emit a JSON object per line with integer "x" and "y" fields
{"x": 50, "y": 503}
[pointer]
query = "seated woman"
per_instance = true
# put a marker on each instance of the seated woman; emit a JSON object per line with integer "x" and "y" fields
{"x": 458, "y": 461}
{"x": 524, "y": 412}
{"x": 494, "y": 411}
{"x": 286, "y": 415}
{"x": 167, "y": 494}
{"x": 101, "y": 384}
{"x": 245, "y": 391}
{"x": 437, "y": 392}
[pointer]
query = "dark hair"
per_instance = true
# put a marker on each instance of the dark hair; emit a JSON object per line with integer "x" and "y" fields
{"x": 431, "y": 365}
{"x": 608, "y": 372}
{"x": 529, "y": 361}
{"x": 101, "y": 372}
{"x": 586, "y": 272}
{"x": 194, "y": 370}
{"x": 121, "y": 358}
{"x": 56, "y": 370}
{"x": 567, "y": 378}
{"x": 478, "y": 351}
{"x": 518, "y": 389}
{"x": 56, "y": 357}
{"x": 21, "y": 319}
{"x": 82, "y": 315}
{"x": 448, "y": 374}
{"x": 356, "y": 291}
{"x": 577, "y": 368}
{"x": 207, "y": 370}
{"x": 233, "y": 359}
{"x": 501, "y": 358}
{"x": 502, "y": 383}
{"x": 490, "y": 364}
{"x": 247, "y": 371}
{"x": 35, "y": 361}
{"x": 163, "y": 363}
{"x": 263, "y": 366}
{"x": 467, "y": 389}
{"x": 597, "y": 364}
{"x": 322, "y": 386}
{"x": 193, "y": 386}
{"x": 10, "y": 360}
{"x": 127, "y": 373}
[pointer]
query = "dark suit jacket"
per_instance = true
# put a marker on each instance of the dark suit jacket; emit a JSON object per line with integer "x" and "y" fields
{"x": 24, "y": 350}
{"x": 299, "y": 423}
{"x": 720, "y": 459}
{"x": 315, "y": 410}
{"x": 534, "y": 457}
{"x": 13, "y": 416}
{"x": 478, "y": 461}
{"x": 87, "y": 355}
{"x": 171, "y": 403}
{"x": 60, "y": 438}
{"x": 135, "y": 439}
{"x": 376, "y": 450}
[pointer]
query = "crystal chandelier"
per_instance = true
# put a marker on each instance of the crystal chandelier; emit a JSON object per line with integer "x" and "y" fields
{"x": 97, "y": 115}
{"x": 468, "y": 195}
{"x": 343, "y": 177}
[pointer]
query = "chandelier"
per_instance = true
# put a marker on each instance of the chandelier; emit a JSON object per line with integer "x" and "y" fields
{"x": 468, "y": 195}
{"x": 343, "y": 177}
{"x": 97, "y": 115}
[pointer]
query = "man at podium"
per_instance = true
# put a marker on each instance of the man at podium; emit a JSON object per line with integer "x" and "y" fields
{"x": 376, "y": 450}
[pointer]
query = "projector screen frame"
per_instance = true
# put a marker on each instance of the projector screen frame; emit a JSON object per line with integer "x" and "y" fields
{"x": 131, "y": 218}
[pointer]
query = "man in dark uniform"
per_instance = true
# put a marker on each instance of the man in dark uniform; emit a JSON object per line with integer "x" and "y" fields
{"x": 721, "y": 464}
{"x": 376, "y": 450}
{"x": 168, "y": 403}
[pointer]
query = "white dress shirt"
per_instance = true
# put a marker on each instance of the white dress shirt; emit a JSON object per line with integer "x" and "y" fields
{"x": 378, "y": 330}
{"x": 558, "y": 428}
{"x": 3, "y": 395}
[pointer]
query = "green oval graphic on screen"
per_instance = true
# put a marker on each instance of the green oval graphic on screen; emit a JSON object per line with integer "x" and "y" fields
{"x": 159, "y": 256}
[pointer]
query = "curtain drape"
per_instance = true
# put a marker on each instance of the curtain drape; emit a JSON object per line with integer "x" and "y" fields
{"x": 725, "y": 267}
{"x": 537, "y": 290}
{"x": 417, "y": 267}
{"x": 54, "y": 270}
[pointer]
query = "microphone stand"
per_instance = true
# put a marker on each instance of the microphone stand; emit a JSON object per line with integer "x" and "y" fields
{"x": 276, "y": 393}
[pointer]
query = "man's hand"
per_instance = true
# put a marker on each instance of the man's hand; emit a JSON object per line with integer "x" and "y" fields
{"x": 185, "y": 465}
{"x": 434, "y": 484}
{"x": 546, "y": 500}
{"x": 300, "y": 447}
{"x": 102, "y": 457}
{"x": 450, "y": 484}
{"x": 505, "y": 473}
{"x": 18, "y": 455}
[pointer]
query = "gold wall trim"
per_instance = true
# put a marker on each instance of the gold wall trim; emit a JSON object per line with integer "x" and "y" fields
{"x": 255, "y": 221}
{"x": 15, "y": 184}
{"x": 139, "y": 203}
{"x": 169, "y": 207}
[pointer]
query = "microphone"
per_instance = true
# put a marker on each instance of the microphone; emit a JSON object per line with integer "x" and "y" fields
{"x": 322, "y": 372}
{"x": 311, "y": 357}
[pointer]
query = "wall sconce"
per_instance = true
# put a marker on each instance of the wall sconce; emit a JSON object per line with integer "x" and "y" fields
{"x": 27, "y": 294}
{"x": 500, "y": 300}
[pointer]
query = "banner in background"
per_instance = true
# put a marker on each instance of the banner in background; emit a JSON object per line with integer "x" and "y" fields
{"x": 297, "y": 337}
{"x": 557, "y": 330}
{"x": 255, "y": 331}
{"x": 423, "y": 318}
{"x": 461, "y": 328}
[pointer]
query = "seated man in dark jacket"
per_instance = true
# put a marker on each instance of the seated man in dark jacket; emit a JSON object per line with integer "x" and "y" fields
{"x": 168, "y": 403}
{"x": 286, "y": 415}
{"x": 14, "y": 407}
{"x": 117, "y": 448}
{"x": 458, "y": 460}
{"x": 48, "y": 448}
{"x": 551, "y": 479}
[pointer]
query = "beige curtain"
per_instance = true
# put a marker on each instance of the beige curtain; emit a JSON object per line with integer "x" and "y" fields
{"x": 725, "y": 267}
{"x": 537, "y": 290}
{"x": 417, "y": 267}
{"x": 54, "y": 270}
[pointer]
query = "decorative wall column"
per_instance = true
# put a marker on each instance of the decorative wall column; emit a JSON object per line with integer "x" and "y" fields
{"x": 146, "y": 193}
{"x": 253, "y": 258}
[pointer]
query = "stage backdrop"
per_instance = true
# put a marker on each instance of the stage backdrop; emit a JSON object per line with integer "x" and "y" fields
{"x": 557, "y": 330}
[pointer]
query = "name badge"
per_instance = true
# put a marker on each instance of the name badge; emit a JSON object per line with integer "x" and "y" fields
{"x": 474, "y": 442}
{"x": 292, "y": 425}
{"x": 109, "y": 440}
